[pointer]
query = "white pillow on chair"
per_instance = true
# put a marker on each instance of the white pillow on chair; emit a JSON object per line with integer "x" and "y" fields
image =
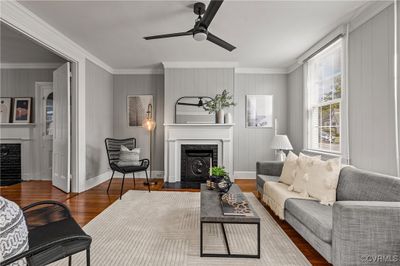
{"x": 129, "y": 157}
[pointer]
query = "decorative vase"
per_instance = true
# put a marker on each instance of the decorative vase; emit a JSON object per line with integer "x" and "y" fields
{"x": 228, "y": 118}
{"x": 219, "y": 116}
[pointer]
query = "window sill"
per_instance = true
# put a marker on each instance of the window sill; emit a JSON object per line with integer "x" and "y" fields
{"x": 323, "y": 153}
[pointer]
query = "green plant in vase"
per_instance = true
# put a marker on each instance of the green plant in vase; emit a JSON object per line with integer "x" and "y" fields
{"x": 218, "y": 104}
{"x": 219, "y": 179}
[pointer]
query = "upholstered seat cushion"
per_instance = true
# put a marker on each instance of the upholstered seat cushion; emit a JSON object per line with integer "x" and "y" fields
{"x": 313, "y": 215}
{"x": 261, "y": 179}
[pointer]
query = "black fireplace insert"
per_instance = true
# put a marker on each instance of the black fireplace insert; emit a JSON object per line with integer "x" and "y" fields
{"x": 195, "y": 162}
{"x": 10, "y": 164}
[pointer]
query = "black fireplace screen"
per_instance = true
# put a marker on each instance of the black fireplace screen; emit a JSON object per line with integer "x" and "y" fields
{"x": 10, "y": 162}
{"x": 196, "y": 160}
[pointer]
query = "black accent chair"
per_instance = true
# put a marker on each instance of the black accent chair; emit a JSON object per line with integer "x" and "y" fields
{"x": 53, "y": 235}
{"x": 113, "y": 147}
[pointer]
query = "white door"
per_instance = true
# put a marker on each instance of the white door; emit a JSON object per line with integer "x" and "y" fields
{"x": 61, "y": 128}
{"x": 44, "y": 118}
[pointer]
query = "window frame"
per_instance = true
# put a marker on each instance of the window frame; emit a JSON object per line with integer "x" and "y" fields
{"x": 309, "y": 105}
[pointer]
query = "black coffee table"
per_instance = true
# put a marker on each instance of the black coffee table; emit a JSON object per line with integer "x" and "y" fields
{"x": 211, "y": 212}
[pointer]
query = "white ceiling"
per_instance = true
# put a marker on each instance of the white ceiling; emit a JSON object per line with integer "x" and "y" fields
{"x": 267, "y": 34}
{"x": 17, "y": 48}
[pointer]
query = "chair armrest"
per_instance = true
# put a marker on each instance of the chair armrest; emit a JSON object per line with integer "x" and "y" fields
{"x": 269, "y": 168}
{"x": 144, "y": 162}
{"x": 46, "y": 202}
{"x": 40, "y": 248}
{"x": 366, "y": 232}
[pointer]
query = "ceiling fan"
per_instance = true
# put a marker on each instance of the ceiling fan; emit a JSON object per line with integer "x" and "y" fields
{"x": 200, "y": 30}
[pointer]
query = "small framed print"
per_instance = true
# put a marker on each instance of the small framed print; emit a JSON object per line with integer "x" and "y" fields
{"x": 137, "y": 109}
{"x": 5, "y": 110}
{"x": 22, "y": 110}
{"x": 259, "y": 110}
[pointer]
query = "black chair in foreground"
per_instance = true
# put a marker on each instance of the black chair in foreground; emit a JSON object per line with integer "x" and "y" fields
{"x": 113, "y": 147}
{"x": 53, "y": 235}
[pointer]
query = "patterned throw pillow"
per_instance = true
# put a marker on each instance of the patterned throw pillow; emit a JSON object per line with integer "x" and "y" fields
{"x": 129, "y": 157}
{"x": 13, "y": 231}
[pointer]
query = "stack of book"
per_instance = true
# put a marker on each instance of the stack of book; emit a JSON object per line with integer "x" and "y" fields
{"x": 235, "y": 204}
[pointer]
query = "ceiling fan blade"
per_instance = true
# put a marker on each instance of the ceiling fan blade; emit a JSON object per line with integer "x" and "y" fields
{"x": 211, "y": 10}
{"x": 162, "y": 36}
{"x": 214, "y": 39}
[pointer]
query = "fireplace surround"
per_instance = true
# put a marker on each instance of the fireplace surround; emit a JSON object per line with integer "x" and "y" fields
{"x": 178, "y": 135}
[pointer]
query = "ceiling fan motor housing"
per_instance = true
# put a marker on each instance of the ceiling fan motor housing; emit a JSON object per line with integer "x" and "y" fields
{"x": 200, "y": 33}
{"x": 199, "y": 8}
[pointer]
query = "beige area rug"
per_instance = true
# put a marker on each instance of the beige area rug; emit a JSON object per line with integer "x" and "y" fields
{"x": 163, "y": 228}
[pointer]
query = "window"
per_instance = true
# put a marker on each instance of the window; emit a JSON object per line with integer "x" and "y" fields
{"x": 324, "y": 98}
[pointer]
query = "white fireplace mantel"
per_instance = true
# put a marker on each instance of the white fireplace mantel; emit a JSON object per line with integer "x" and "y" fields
{"x": 182, "y": 134}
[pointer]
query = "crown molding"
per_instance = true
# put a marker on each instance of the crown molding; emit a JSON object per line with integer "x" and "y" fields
{"x": 30, "y": 65}
{"x": 138, "y": 71}
{"x": 293, "y": 67}
{"x": 247, "y": 70}
{"x": 22, "y": 19}
{"x": 204, "y": 64}
{"x": 366, "y": 12}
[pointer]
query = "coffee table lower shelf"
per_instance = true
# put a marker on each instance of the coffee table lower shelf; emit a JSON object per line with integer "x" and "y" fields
{"x": 229, "y": 254}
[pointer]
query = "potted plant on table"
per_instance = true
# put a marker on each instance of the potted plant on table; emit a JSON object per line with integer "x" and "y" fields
{"x": 219, "y": 179}
{"x": 218, "y": 104}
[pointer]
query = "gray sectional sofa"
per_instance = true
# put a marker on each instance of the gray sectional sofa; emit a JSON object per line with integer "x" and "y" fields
{"x": 361, "y": 228}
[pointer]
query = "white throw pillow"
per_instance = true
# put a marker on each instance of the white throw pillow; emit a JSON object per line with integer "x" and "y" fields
{"x": 129, "y": 157}
{"x": 289, "y": 169}
{"x": 301, "y": 174}
{"x": 323, "y": 178}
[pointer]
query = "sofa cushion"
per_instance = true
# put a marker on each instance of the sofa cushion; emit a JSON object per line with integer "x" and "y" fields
{"x": 315, "y": 216}
{"x": 261, "y": 179}
{"x": 359, "y": 185}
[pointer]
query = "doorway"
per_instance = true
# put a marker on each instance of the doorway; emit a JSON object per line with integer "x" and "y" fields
{"x": 44, "y": 118}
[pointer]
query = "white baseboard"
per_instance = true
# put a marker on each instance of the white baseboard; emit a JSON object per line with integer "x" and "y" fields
{"x": 245, "y": 174}
{"x": 94, "y": 181}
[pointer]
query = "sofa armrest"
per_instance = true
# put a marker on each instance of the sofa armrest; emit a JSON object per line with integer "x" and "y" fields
{"x": 269, "y": 168}
{"x": 366, "y": 232}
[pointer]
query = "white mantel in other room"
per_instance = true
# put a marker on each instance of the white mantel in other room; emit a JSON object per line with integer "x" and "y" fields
{"x": 177, "y": 135}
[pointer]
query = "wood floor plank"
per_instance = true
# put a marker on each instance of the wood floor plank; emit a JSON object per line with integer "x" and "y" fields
{"x": 87, "y": 205}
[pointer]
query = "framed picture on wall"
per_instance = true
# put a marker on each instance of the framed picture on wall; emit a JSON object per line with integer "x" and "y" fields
{"x": 259, "y": 111}
{"x": 137, "y": 106}
{"x": 22, "y": 110}
{"x": 5, "y": 110}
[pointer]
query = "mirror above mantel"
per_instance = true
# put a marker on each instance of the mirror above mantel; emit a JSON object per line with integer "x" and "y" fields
{"x": 189, "y": 110}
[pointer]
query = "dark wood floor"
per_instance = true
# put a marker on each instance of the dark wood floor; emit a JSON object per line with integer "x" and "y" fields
{"x": 85, "y": 206}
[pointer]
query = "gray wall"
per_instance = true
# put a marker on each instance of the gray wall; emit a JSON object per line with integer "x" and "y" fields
{"x": 21, "y": 82}
{"x": 99, "y": 118}
{"x": 125, "y": 85}
{"x": 295, "y": 109}
{"x": 371, "y": 96}
{"x": 194, "y": 82}
{"x": 252, "y": 144}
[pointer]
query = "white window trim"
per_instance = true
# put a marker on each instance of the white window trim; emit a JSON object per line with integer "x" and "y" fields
{"x": 344, "y": 140}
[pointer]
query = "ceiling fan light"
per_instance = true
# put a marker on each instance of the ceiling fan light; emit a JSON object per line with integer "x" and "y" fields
{"x": 200, "y": 36}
